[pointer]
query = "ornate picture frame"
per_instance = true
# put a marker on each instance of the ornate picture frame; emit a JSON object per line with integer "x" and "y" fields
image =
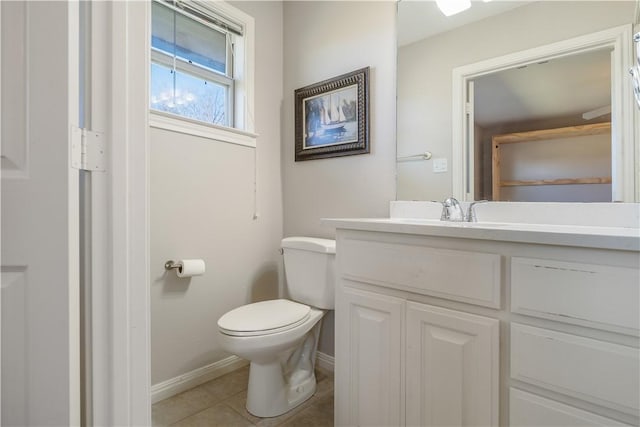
{"x": 332, "y": 117}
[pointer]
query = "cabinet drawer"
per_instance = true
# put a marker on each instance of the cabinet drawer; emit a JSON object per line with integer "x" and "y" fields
{"x": 471, "y": 277}
{"x": 599, "y": 372}
{"x": 528, "y": 409}
{"x": 604, "y": 297}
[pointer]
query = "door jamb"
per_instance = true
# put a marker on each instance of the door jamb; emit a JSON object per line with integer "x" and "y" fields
{"x": 622, "y": 132}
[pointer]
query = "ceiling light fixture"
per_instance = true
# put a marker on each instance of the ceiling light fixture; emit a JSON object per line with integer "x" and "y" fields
{"x": 451, "y": 7}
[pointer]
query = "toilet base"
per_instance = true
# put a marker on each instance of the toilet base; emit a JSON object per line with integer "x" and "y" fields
{"x": 269, "y": 396}
{"x": 277, "y": 387}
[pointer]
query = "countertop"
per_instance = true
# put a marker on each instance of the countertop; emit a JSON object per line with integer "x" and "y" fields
{"x": 616, "y": 238}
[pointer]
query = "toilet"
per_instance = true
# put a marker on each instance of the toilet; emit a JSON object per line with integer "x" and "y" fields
{"x": 280, "y": 337}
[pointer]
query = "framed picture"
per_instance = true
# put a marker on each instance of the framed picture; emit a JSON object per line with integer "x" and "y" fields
{"x": 332, "y": 117}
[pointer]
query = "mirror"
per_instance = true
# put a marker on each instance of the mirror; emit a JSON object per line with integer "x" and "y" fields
{"x": 549, "y": 74}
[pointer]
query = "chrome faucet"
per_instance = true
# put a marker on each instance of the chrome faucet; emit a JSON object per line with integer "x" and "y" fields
{"x": 452, "y": 211}
{"x": 471, "y": 213}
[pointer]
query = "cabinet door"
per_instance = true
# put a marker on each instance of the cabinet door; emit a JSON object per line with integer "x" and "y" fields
{"x": 368, "y": 358}
{"x": 452, "y": 367}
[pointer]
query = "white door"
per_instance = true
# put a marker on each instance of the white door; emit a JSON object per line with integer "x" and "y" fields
{"x": 40, "y": 339}
{"x": 368, "y": 359}
{"x": 452, "y": 367}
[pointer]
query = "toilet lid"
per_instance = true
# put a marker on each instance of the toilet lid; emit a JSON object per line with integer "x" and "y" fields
{"x": 263, "y": 318}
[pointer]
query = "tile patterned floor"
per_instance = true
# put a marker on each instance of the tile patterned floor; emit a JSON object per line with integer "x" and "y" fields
{"x": 220, "y": 402}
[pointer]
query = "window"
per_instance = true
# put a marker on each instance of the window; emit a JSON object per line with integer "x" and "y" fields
{"x": 201, "y": 63}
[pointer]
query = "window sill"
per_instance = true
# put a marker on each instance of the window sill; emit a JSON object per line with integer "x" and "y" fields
{"x": 186, "y": 126}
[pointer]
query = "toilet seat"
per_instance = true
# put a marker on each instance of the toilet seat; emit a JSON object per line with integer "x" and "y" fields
{"x": 263, "y": 318}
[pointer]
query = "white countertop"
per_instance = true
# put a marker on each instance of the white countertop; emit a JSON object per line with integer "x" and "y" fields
{"x": 617, "y": 238}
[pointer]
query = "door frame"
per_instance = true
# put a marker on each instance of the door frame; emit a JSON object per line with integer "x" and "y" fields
{"x": 623, "y": 154}
{"x": 120, "y": 215}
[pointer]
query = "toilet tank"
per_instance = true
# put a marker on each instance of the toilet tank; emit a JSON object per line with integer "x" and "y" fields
{"x": 309, "y": 270}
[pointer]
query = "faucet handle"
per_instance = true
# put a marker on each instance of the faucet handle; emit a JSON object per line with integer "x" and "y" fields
{"x": 444, "y": 216}
{"x": 453, "y": 210}
{"x": 471, "y": 213}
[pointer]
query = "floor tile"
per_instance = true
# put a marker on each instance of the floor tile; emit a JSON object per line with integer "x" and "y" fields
{"x": 322, "y": 374}
{"x": 318, "y": 414}
{"x": 219, "y": 415}
{"x": 229, "y": 384}
{"x": 239, "y": 404}
{"x": 181, "y": 406}
{"x": 323, "y": 388}
{"x": 239, "y": 401}
{"x": 222, "y": 402}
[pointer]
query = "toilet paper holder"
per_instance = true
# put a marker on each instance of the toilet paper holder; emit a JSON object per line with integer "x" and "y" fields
{"x": 170, "y": 265}
{"x": 186, "y": 267}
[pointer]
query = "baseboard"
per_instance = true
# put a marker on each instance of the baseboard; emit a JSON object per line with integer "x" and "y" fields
{"x": 199, "y": 376}
{"x": 325, "y": 362}
{"x": 194, "y": 378}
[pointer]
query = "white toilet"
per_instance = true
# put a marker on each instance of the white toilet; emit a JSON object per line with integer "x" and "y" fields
{"x": 280, "y": 337}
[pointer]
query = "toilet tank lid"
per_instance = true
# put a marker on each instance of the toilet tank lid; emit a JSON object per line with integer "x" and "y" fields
{"x": 312, "y": 244}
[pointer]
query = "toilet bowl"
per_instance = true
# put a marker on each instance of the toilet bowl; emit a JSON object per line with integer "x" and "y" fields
{"x": 279, "y": 377}
{"x": 280, "y": 337}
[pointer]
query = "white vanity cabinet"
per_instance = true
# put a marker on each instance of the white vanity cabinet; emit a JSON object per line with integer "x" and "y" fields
{"x": 444, "y": 361}
{"x": 400, "y": 361}
{"x": 475, "y": 327}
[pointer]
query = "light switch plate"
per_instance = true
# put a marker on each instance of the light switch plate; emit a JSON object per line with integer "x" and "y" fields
{"x": 439, "y": 165}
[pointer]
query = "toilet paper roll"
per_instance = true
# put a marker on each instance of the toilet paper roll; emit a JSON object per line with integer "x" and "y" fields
{"x": 190, "y": 267}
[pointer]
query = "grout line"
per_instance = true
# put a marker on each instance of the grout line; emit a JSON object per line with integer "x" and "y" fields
{"x": 233, "y": 409}
{"x": 184, "y": 418}
{"x": 242, "y": 414}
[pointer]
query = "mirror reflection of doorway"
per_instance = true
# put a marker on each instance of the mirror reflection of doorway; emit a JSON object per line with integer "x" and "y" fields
{"x": 558, "y": 111}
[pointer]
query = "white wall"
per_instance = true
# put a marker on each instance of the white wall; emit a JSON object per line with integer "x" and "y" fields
{"x": 324, "y": 40}
{"x": 213, "y": 182}
{"x": 425, "y": 67}
{"x": 202, "y": 205}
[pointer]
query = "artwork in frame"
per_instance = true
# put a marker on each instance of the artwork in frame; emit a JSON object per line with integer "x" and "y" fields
{"x": 332, "y": 117}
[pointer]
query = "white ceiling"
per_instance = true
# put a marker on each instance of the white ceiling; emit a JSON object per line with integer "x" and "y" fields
{"x": 561, "y": 87}
{"x": 420, "y": 19}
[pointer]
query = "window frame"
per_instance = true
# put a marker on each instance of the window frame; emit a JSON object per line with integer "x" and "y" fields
{"x": 195, "y": 70}
{"x": 242, "y": 131}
